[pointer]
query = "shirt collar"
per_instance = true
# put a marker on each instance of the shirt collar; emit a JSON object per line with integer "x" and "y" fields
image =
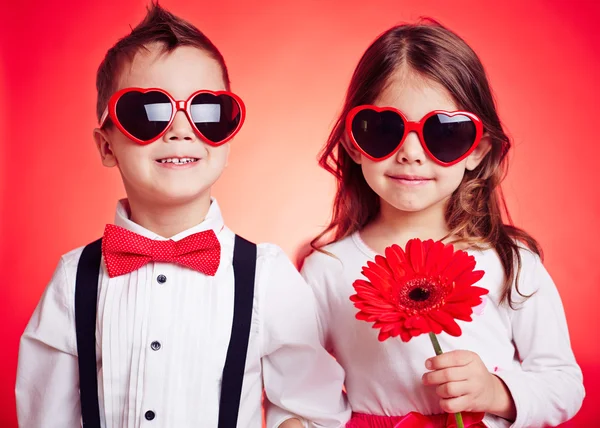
{"x": 213, "y": 220}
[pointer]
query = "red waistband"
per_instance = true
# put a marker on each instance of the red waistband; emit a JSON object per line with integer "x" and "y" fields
{"x": 414, "y": 420}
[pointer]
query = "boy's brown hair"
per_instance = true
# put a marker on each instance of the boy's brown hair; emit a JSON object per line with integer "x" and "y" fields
{"x": 159, "y": 26}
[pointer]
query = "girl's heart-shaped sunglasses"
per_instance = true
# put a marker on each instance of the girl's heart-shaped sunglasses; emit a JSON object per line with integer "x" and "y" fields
{"x": 447, "y": 137}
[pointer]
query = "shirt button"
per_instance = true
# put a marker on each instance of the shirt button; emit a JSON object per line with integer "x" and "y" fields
{"x": 155, "y": 345}
{"x": 161, "y": 279}
{"x": 149, "y": 415}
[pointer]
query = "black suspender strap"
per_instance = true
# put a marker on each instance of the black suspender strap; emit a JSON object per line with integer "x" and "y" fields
{"x": 244, "y": 270}
{"x": 86, "y": 295}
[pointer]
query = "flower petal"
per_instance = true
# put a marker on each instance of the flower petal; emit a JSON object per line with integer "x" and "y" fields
{"x": 445, "y": 258}
{"x": 447, "y": 322}
{"x": 415, "y": 255}
{"x": 383, "y": 336}
{"x": 434, "y": 326}
{"x": 391, "y": 317}
{"x": 364, "y": 293}
{"x": 433, "y": 256}
{"x": 417, "y": 322}
{"x": 405, "y": 336}
{"x": 465, "y": 294}
{"x": 458, "y": 311}
{"x": 397, "y": 262}
{"x": 378, "y": 276}
{"x": 468, "y": 277}
{"x": 461, "y": 262}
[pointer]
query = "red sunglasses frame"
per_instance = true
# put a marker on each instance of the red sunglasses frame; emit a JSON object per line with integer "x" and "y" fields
{"x": 177, "y": 105}
{"x": 417, "y": 127}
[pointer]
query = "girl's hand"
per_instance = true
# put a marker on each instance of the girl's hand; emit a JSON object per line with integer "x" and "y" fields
{"x": 291, "y": 423}
{"x": 464, "y": 384}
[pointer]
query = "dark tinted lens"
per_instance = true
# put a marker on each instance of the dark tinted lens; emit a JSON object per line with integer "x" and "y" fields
{"x": 215, "y": 116}
{"x": 448, "y": 138}
{"x": 144, "y": 116}
{"x": 377, "y": 133}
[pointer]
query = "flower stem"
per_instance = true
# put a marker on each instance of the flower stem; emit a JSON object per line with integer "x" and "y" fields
{"x": 438, "y": 351}
{"x": 459, "y": 420}
{"x": 435, "y": 343}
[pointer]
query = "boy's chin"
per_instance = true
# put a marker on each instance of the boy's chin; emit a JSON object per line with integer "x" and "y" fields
{"x": 173, "y": 197}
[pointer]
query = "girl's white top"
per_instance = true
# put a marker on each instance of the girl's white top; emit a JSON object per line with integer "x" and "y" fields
{"x": 528, "y": 348}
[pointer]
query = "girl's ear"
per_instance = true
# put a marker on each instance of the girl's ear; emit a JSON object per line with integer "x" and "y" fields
{"x": 352, "y": 151}
{"x": 482, "y": 149}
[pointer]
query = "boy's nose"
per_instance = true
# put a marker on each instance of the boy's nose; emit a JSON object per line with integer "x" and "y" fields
{"x": 180, "y": 129}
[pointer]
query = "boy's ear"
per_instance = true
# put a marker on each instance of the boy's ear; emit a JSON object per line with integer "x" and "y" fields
{"x": 477, "y": 155}
{"x": 352, "y": 151}
{"x": 104, "y": 148}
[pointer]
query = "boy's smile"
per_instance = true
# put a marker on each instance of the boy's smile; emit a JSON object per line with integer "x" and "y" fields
{"x": 176, "y": 162}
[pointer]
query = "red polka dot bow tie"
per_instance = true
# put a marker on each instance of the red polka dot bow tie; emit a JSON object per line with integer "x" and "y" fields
{"x": 125, "y": 251}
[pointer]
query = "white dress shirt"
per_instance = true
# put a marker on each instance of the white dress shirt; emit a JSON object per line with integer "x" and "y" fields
{"x": 190, "y": 315}
{"x": 384, "y": 378}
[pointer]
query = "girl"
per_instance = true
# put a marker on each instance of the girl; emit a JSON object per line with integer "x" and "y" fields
{"x": 419, "y": 152}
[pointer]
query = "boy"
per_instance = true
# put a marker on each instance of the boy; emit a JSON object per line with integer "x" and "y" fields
{"x": 180, "y": 332}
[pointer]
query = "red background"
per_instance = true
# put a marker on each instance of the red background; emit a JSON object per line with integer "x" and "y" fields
{"x": 291, "y": 63}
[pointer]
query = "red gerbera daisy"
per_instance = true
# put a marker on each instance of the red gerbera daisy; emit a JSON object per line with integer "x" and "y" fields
{"x": 421, "y": 290}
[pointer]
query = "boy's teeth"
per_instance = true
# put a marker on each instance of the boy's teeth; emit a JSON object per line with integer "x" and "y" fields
{"x": 178, "y": 161}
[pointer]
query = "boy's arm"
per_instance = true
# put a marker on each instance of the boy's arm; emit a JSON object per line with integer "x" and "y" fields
{"x": 300, "y": 376}
{"x": 47, "y": 388}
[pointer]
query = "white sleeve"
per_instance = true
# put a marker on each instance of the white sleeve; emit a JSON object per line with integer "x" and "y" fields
{"x": 47, "y": 388}
{"x": 549, "y": 390}
{"x": 318, "y": 269}
{"x": 300, "y": 377}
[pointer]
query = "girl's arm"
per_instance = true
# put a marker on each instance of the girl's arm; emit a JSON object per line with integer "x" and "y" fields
{"x": 549, "y": 390}
{"x": 292, "y": 423}
{"x": 277, "y": 417}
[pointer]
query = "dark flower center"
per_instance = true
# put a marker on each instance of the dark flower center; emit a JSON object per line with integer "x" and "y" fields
{"x": 419, "y": 294}
{"x": 423, "y": 294}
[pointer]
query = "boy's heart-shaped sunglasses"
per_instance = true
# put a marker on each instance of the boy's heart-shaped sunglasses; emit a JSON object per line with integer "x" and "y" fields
{"x": 447, "y": 137}
{"x": 145, "y": 115}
